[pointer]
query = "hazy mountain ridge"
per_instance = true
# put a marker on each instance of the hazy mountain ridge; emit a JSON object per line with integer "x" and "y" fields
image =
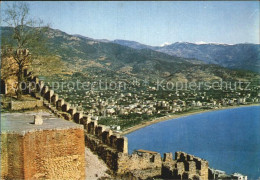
{"x": 238, "y": 56}
{"x": 81, "y": 54}
{"x": 132, "y": 44}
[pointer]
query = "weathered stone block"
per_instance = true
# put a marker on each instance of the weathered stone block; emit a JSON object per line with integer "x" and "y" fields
{"x": 122, "y": 144}
{"x": 204, "y": 170}
{"x": 65, "y": 107}
{"x": 192, "y": 167}
{"x": 77, "y": 116}
{"x": 84, "y": 121}
{"x": 50, "y": 151}
{"x": 45, "y": 89}
{"x": 48, "y": 95}
{"x": 91, "y": 127}
{"x": 180, "y": 167}
{"x": 72, "y": 111}
{"x": 157, "y": 160}
{"x": 106, "y": 136}
{"x": 180, "y": 156}
{"x": 59, "y": 104}
{"x": 40, "y": 86}
{"x": 54, "y": 99}
{"x": 113, "y": 139}
{"x": 98, "y": 131}
{"x": 37, "y": 120}
{"x": 168, "y": 157}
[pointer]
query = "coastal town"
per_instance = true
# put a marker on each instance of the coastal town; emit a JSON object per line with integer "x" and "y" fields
{"x": 122, "y": 101}
{"x": 112, "y": 148}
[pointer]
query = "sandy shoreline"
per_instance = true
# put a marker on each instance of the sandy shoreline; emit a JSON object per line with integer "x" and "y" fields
{"x": 169, "y": 117}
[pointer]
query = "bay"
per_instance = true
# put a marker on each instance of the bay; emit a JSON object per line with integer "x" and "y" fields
{"x": 228, "y": 139}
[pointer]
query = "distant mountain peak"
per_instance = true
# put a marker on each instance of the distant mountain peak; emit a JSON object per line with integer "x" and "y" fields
{"x": 88, "y": 38}
{"x": 165, "y": 44}
{"x": 214, "y": 43}
{"x": 132, "y": 44}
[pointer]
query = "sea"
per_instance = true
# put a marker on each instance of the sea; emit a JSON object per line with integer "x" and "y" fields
{"x": 228, "y": 139}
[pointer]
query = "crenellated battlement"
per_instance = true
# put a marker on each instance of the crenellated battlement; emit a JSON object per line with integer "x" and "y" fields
{"x": 65, "y": 110}
{"x": 112, "y": 148}
{"x": 136, "y": 162}
{"x": 184, "y": 166}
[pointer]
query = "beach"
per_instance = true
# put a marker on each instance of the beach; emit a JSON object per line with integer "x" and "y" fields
{"x": 175, "y": 116}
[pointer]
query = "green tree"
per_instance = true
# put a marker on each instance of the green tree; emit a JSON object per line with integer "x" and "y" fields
{"x": 27, "y": 38}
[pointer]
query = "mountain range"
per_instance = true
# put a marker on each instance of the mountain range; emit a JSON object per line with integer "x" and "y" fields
{"x": 87, "y": 55}
{"x": 238, "y": 56}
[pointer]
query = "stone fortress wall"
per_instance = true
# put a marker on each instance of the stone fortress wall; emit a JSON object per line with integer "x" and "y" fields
{"x": 36, "y": 154}
{"x": 112, "y": 148}
{"x": 184, "y": 166}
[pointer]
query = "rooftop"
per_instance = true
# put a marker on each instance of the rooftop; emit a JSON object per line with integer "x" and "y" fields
{"x": 23, "y": 122}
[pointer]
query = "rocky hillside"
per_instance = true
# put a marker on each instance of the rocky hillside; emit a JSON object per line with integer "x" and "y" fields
{"x": 80, "y": 54}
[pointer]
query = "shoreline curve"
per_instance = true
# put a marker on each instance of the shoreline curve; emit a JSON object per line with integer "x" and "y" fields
{"x": 175, "y": 116}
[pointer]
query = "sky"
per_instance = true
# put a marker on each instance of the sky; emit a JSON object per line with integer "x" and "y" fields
{"x": 154, "y": 23}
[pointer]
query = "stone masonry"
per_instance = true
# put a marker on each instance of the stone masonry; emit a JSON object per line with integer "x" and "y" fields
{"x": 184, "y": 166}
{"x": 52, "y": 150}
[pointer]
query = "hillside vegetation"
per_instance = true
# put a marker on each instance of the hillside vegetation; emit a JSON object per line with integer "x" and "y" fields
{"x": 74, "y": 53}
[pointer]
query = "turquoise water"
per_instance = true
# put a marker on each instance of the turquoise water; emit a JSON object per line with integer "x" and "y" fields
{"x": 229, "y": 139}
